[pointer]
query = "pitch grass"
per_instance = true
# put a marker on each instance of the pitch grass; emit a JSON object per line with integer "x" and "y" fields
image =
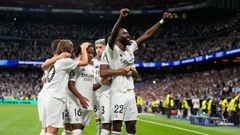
{"x": 23, "y": 120}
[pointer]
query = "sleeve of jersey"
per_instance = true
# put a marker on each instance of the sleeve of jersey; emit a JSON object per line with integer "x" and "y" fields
{"x": 104, "y": 59}
{"x": 73, "y": 75}
{"x": 69, "y": 63}
{"x": 133, "y": 47}
{"x": 112, "y": 53}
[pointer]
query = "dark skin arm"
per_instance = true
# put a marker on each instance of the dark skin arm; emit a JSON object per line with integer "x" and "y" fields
{"x": 104, "y": 81}
{"x": 134, "y": 73}
{"x": 83, "y": 100}
{"x": 150, "y": 32}
{"x": 105, "y": 71}
{"x": 116, "y": 28}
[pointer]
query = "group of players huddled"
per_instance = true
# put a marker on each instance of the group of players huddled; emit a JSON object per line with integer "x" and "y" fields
{"x": 77, "y": 83}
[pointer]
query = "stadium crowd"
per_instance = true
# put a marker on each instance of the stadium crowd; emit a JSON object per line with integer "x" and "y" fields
{"x": 20, "y": 85}
{"x": 176, "y": 40}
{"x": 97, "y": 4}
{"x": 191, "y": 25}
{"x": 208, "y": 83}
{"x": 153, "y": 51}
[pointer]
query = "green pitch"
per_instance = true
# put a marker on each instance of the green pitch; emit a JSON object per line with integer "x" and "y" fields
{"x": 23, "y": 120}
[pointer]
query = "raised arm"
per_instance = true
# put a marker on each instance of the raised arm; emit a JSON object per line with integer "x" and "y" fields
{"x": 48, "y": 63}
{"x": 123, "y": 13}
{"x": 150, "y": 32}
{"x": 84, "y": 56}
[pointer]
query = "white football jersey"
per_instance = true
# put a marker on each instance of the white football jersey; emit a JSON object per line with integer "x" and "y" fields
{"x": 118, "y": 59}
{"x": 58, "y": 77}
{"x": 97, "y": 63}
{"x": 85, "y": 78}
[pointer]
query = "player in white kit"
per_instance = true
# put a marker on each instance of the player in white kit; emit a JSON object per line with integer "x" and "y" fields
{"x": 84, "y": 80}
{"x": 56, "y": 88}
{"x": 102, "y": 97}
{"x": 44, "y": 80}
{"x": 119, "y": 53}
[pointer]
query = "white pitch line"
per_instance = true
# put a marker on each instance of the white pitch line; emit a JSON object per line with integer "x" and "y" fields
{"x": 172, "y": 127}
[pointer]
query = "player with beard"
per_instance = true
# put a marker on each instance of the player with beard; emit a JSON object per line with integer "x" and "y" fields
{"x": 119, "y": 53}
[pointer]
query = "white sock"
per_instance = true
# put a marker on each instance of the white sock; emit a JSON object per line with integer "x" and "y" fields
{"x": 77, "y": 132}
{"x": 116, "y": 133}
{"x": 42, "y": 132}
{"x": 104, "y": 132}
{"x": 129, "y": 134}
{"x": 66, "y": 132}
{"x": 49, "y": 134}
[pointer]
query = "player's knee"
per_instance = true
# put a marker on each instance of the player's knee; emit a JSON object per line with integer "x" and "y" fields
{"x": 131, "y": 131}
{"x": 106, "y": 126}
{"x": 77, "y": 126}
{"x": 52, "y": 130}
{"x": 131, "y": 127}
{"x": 117, "y": 126}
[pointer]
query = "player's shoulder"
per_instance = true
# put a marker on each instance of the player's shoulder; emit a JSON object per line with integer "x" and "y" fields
{"x": 133, "y": 42}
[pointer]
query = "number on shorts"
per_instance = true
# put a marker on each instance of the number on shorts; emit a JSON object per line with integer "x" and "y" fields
{"x": 102, "y": 110}
{"x": 77, "y": 112}
{"x": 118, "y": 109}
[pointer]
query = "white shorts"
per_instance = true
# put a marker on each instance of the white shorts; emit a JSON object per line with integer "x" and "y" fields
{"x": 123, "y": 106}
{"x": 73, "y": 112}
{"x": 105, "y": 107}
{"x": 53, "y": 111}
{"x": 41, "y": 98}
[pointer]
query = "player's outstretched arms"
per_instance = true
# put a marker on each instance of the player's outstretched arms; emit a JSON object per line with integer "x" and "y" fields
{"x": 150, "y": 32}
{"x": 84, "y": 56}
{"x": 123, "y": 13}
{"x": 49, "y": 62}
{"x": 83, "y": 100}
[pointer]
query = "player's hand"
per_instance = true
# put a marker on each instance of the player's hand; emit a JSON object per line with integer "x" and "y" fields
{"x": 44, "y": 79}
{"x": 84, "y": 102}
{"x": 167, "y": 15}
{"x": 125, "y": 70}
{"x": 129, "y": 73}
{"x": 64, "y": 55}
{"x": 85, "y": 45}
{"x": 124, "y": 12}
